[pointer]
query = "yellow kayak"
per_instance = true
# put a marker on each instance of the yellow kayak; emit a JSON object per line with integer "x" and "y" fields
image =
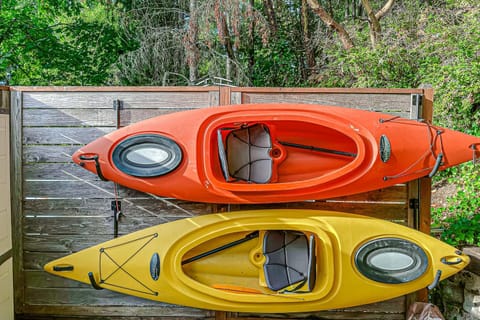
{"x": 266, "y": 261}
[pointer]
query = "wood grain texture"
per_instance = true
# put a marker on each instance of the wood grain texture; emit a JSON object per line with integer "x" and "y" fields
{"x": 59, "y": 206}
{"x": 396, "y": 104}
{"x": 104, "y": 100}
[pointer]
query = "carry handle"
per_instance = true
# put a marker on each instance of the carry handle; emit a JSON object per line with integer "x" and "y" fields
{"x": 437, "y": 165}
{"x": 97, "y": 164}
{"x": 436, "y": 280}
{"x": 444, "y": 260}
{"x": 93, "y": 282}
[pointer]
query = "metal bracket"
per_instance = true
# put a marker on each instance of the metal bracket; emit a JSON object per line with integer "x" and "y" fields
{"x": 116, "y": 207}
{"x": 416, "y": 107}
{"x": 117, "y": 104}
{"x": 414, "y": 204}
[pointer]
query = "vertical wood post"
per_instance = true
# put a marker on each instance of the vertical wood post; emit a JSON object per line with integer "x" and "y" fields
{"x": 425, "y": 186}
{"x": 16, "y": 181}
{"x": 426, "y": 183}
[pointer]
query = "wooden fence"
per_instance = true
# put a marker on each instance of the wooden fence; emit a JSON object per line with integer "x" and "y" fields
{"x": 59, "y": 208}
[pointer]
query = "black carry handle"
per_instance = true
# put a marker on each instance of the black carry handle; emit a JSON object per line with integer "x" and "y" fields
{"x": 437, "y": 165}
{"x": 65, "y": 267}
{"x": 97, "y": 165}
{"x": 436, "y": 280}
{"x": 93, "y": 282}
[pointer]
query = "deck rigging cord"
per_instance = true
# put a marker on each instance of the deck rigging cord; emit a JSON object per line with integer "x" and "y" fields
{"x": 103, "y": 252}
{"x": 431, "y": 150}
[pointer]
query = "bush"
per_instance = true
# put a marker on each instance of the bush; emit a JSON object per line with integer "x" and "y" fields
{"x": 460, "y": 218}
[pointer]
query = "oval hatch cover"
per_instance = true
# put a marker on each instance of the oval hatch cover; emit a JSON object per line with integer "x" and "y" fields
{"x": 391, "y": 260}
{"x": 147, "y": 155}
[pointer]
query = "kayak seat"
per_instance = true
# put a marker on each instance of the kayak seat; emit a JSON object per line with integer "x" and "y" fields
{"x": 246, "y": 155}
{"x": 290, "y": 261}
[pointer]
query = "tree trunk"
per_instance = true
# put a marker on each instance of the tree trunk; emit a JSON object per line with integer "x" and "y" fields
{"x": 225, "y": 38}
{"x": 329, "y": 21}
{"x": 272, "y": 19}
{"x": 192, "y": 39}
{"x": 374, "y": 19}
{"x": 251, "y": 40}
{"x": 307, "y": 45}
{"x": 223, "y": 32}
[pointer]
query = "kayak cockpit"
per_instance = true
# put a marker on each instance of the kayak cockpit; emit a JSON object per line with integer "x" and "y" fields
{"x": 261, "y": 262}
{"x": 280, "y": 151}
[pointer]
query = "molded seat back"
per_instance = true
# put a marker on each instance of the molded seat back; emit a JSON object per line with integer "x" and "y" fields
{"x": 290, "y": 259}
{"x": 247, "y": 155}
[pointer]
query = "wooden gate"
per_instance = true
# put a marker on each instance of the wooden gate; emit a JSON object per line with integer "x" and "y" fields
{"x": 59, "y": 208}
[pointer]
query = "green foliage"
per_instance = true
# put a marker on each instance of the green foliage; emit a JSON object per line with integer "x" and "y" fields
{"x": 282, "y": 57}
{"x": 60, "y": 42}
{"x": 452, "y": 65}
{"x": 380, "y": 67}
{"x": 461, "y": 230}
{"x": 460, "y": 218}
{"x": 436, "y": 45}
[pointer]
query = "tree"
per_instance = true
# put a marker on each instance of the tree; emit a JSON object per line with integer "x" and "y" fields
{"x": 329, "y": 21}
{"x": 374, "y": 19}
{"x": 58, "y": 42}
{"x": 191, "y": 47}
{"x": 164, "y": 49}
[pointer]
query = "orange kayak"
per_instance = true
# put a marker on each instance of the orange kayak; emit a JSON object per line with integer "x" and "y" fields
{"x": 262, "y": 153}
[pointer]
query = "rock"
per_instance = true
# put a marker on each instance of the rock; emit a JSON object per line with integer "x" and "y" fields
{"x": 471, "y": 303}
{"x": 474, "y": 254}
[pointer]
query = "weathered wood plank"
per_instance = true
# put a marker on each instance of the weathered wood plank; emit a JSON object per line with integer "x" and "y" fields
{"x": 161, "y": 208}
{"x": 51, "y": 153}
{"x": 92, "y": 117}
{"x": 99, "y": 100}
{"x": 276, "y": 90}
{"x": 71, "y": 189}
{"x": 65, "y": 136}
{"x": 102, "y": 225}
{"x": 75, "y": 189}
{"x": 94, "y": 298}
{"x": 61, "y": 243}
{"x": 386, "y": 308}
{"x": 129, "y": 116}
{"x": 396, "y": 193}
{"x": 152, "y": 312}
{"x": 331, "y": 315}
{"x": 34, "y": 261}
{"x": 84, "y": 296}
{"x": 398, "y": 104}
{"x": 39, "y": 315}
{"x": 42, "y": 279}
{"x": 69, "y": 117}
{"x": 474, "y": 253}
{"x": 388, "y": 211}
{"x": 16, "y": 180}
